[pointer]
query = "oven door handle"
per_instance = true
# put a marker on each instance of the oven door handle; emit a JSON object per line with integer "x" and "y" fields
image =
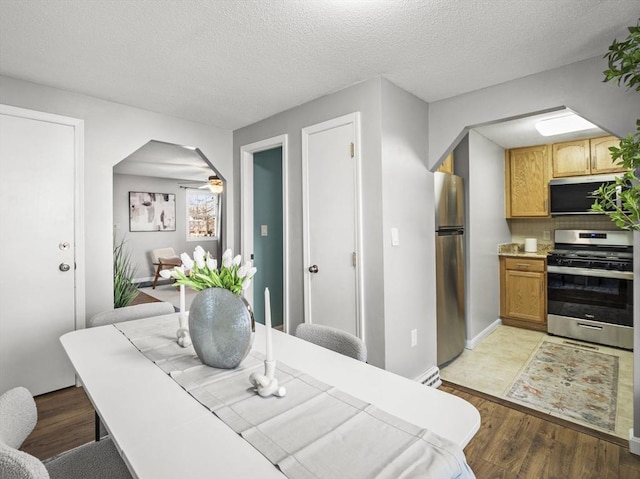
{"x": 596, "y": 273}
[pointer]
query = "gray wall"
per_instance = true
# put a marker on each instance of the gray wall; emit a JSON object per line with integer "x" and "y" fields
{"x": 112, "y": 132}
{"x": 486, "y": 228}
{"x": 397, "y": 191}
{"x": 365, "y": 98}
{"x": 578, "y": 86}
{"x": 139, "y": 243}
{"x": 407, "y": 204}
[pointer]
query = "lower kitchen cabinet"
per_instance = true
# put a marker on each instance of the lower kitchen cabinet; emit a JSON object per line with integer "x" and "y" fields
{"x": 523, "y": 292}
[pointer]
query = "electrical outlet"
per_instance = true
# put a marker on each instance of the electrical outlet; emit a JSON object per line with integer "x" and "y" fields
{"x": 546, "y": 235}
{"x": 414, "y": 338}
{"x": 264, "y": 230}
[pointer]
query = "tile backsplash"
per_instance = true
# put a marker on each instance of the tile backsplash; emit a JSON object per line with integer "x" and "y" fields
{"x": 535, "y": 228}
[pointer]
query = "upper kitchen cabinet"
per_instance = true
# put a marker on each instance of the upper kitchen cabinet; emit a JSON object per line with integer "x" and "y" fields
{"x": 447, "y": 165}
{"x": 601, "y": 156}
{"x": 584, "y": 157}
{"x": 527, "y": 173}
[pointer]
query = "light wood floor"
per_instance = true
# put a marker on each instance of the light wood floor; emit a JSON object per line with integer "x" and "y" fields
{"x": 511, "y": 444}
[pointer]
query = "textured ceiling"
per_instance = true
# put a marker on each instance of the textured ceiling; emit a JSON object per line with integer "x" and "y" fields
{"x": 232, "y": 63}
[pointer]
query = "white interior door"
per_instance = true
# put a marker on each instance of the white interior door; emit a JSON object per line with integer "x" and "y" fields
{"x": 331, "y": 224}
{"x": 37, "y": 298}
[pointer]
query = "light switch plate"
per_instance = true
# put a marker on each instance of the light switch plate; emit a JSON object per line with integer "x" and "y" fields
{"x": 395, "y": 237}
{"x": 264, "y": 230}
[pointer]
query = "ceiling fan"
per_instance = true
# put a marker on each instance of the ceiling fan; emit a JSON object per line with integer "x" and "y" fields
{"x": 214, "y": 184}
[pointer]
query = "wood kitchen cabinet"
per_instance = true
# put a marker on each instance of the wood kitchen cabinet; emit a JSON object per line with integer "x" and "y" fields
{"x": 584, "y": 157}
{"x": 527, "y": 172}
{"x": 447, "y": 165}
{"x": 523, "y": 292}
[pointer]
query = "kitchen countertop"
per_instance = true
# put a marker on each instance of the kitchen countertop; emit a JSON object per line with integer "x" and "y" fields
{"x": 517, "y": 250}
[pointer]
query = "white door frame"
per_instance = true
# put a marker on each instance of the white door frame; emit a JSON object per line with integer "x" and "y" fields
{"x": 246, "y": 209}
{"x": 79, "y": 252}
{"x": 354, "y": 119}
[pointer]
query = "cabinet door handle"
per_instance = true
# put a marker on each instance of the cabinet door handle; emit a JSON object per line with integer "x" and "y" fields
{"x": 523, "y": 265}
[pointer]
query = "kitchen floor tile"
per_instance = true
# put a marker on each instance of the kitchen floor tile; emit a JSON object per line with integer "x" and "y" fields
{"x": 493, "y": 366}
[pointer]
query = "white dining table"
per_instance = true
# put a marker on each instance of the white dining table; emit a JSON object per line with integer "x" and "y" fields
{"x": 161, "y": 431}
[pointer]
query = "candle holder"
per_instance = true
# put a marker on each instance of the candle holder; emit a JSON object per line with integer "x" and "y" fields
{"x": 184, "y": 339}
{"x": 266, "y": 384}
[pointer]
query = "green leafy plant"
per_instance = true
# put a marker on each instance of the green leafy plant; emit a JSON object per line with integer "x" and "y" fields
{"x": 621, "y": 200}
{"x": 202, "y": 272}
{"x": 124, "y": 290}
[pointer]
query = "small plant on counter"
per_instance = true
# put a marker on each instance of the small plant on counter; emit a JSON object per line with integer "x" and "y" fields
{"x": 621, "y": 200}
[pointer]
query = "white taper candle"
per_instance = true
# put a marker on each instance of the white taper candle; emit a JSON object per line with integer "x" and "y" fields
{"x": 182, "y": 299}
{"x": 267, "y": 323}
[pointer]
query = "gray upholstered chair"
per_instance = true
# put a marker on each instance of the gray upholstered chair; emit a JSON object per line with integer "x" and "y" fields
{"x": 335, "y": 339}
{"x": 18, "y": 417}
{"x": 129, "y": 313}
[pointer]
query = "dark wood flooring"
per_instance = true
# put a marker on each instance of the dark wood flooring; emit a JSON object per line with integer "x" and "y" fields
{"x": 511, "y": 443}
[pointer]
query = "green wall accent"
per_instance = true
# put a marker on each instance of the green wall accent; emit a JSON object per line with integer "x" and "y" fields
{"x": 267, "y": 250}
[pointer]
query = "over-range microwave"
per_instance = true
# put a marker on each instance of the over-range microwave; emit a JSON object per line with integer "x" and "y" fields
{"x": 573, "y": 196}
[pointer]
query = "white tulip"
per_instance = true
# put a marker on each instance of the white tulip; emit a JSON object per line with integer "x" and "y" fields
{"x": 226, "y": 259}
{"x": 242, "y": 271}
{"x": 252, "y": 271}
{"x": 198, "y": 257}
{"x": 212, "y": 263}
{"x": 199, "y": 260}
{"x": 166, "y": 273}
{"x": 187, "y": 262}
{"x": 237, "y": 260}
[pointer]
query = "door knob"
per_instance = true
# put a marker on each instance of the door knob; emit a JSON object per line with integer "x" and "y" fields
{"x": 313, "y": 269}
{"x": 64, "y": 267}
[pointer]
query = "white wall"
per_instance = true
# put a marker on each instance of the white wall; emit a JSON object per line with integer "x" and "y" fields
{"x": 407, "y": 204}
{"x": 140, "y": 243}
{"x": 112, "y": 132}
{"x": 578, "y": 86}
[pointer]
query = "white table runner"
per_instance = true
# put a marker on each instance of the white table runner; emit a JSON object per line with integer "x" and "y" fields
{"x": 315, "y": 431}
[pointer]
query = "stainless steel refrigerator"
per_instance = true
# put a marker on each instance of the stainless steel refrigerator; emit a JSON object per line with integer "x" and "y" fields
{"x": 450, "y": 266}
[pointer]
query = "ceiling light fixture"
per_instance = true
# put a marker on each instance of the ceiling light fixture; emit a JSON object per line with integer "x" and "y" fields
{"x": 215, "y": 184}
{"x": 563, "y": 124}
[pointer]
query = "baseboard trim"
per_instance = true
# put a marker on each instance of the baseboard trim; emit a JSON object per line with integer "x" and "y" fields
{"x": 473, "y": 342}
{"x": 634, "y": 443}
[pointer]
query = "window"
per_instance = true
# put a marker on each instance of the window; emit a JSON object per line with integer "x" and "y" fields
{"x": 203, "y": 213}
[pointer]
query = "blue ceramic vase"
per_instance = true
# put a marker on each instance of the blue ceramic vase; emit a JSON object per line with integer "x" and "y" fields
{"x": 220, "y": 326}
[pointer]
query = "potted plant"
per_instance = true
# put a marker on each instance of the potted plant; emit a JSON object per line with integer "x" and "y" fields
{"x": 624, "y": 67}
{"x": 124, "y": 290}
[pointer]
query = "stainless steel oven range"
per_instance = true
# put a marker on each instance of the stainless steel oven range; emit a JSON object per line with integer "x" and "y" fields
{"x": 590, "y": 287}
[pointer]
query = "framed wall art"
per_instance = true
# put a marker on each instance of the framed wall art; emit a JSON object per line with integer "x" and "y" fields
{"x": 152, "y": 211}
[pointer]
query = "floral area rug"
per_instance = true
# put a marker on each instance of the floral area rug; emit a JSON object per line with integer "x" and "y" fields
{"x": 572, "y": 383}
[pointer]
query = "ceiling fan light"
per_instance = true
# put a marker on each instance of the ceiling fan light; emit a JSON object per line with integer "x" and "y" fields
{"x": 563, "y": 124}
{"x": 215, "y": 185}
